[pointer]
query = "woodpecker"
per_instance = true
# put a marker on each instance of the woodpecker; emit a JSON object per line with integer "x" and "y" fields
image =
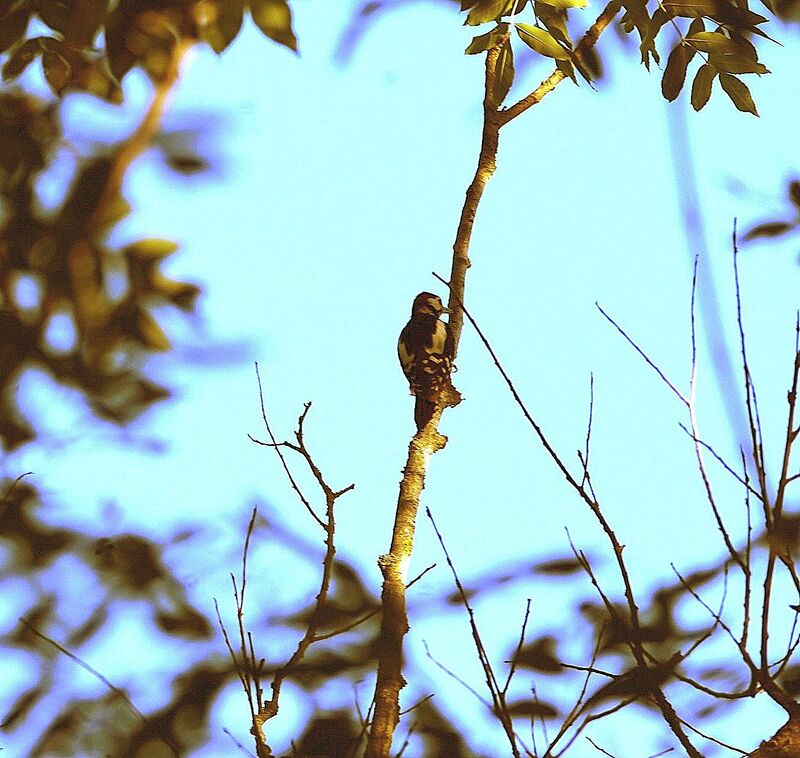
{"x": 421, "y": 349}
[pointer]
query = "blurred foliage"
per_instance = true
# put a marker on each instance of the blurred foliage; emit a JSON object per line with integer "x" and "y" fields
{"x": 128, "y": 569}
{"x": 779, "y": 227}
{"x": 69, "y": 303}
{"x": 90, "y": 45}
{"x": 88, "y": 314}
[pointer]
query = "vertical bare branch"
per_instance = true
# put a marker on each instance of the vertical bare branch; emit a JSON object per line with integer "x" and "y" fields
{"x": 393, "y": 565}
{"x": 698, "y": 450}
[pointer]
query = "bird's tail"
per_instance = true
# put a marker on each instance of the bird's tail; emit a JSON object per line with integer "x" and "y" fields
{"x": 423, "y": 410}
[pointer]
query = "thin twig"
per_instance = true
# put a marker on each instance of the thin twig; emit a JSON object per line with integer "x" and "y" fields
{"x": 94, "y": 672}
{"x": 597, "y": 747}
{"x": 743, "y": 650}
{"x": 275, "y": 444}
{"x": 12, "y": 486}
{"x": 270, "y": 708}
{"x": 713, "y": 739}
{"x": 369, "y": 614}
{"x": 644, "y": 355}
{"x": 577, "y": 709}
{"x": 418, "y": 704}
{"x": 514, "y": 657}
{"x": 541, "y": 716}
{"x": 587, "y": 42}
{"x": 695, "y": 434}
{"x": 456, "y": 678}
{"x": 747, "y": 553}
{"x": 591, "y": 718}
{"x": 498, "y": 695}
{"x": 587, "y": 449}
{"x": 742, "y": 480}
{"x": 239, "y": 746}
{"x": 661, "y": 701}
{"x": 407, "y": 740}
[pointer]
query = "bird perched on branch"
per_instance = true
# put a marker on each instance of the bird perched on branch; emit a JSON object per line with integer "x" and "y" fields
{"x": 422, "y": 352}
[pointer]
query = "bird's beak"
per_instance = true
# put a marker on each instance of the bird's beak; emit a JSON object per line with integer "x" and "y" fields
{"x": 446, "y": 310}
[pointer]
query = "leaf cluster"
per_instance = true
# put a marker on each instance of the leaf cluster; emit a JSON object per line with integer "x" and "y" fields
{"x": 69, "y": 303}
{"x": 125, "y": 568}
{"x": 92, "y": 44}
{"x": 719, "y": 32}
{"x": 727, "y": 52}
{"x": 549, "y": 38}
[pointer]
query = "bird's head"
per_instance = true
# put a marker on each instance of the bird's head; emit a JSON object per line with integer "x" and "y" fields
{"x": 428, "y": 304}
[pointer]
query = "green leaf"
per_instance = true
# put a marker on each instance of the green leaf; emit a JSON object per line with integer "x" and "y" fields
{"x": 531, "y": 710}
{"x": 109, "y": 213}
{"x": 55, "y": 13}
{"x": 12, "y": 27}
{"x": 794, "y": 193}
{"x": 150, "y": 249}
{"x": 21, "y": 57}
{"x": 737, "y": 64}
{"x": 484, "y": 42}
{"x": 118, "y": 25}
{"x": 635, "y": 16}
{"x": 648, "y": 46}
{"x": 57, "y": 70}
{"x": 701, "y": 86}
{"x": 150, "y": 333}
{"x": 584, "y": 66}
{"x": 675, "y": 71}
{"x": 504, "y": 74}
{"x": 735, "y": 17}
{"x": 567, "y": 69}
{"x": 85, "y": 19}
{"x": 690, "y": 8}
{"x": 744, "y": 45}
{"x": 488, "y": 10}
{"x": 554, "y": 20}
{"x": 768, "y": 229}
{"x": 712, "y": 42}
{"x": 564, "y": 4}
{"x": 738, "y": 92}
{"x": 697, "y": 26}
{"x": 274, "y": 18}
{"x": 541, "y": 41}
{"x": 219, "y": 26}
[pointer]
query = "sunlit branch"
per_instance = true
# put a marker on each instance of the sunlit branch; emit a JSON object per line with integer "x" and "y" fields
{"x": 427, "y": 441}
{"x": 588, "y": 41}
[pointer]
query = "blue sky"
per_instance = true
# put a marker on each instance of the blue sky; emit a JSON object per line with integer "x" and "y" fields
{"x": 338, "y": 192}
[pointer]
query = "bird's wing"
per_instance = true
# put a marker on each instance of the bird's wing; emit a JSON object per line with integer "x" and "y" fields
{"x": 439, "y": 338}
{"x": 403, "y": 350}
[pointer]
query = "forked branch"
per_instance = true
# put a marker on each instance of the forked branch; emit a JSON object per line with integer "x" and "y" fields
{"x": 248, "y": 667}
